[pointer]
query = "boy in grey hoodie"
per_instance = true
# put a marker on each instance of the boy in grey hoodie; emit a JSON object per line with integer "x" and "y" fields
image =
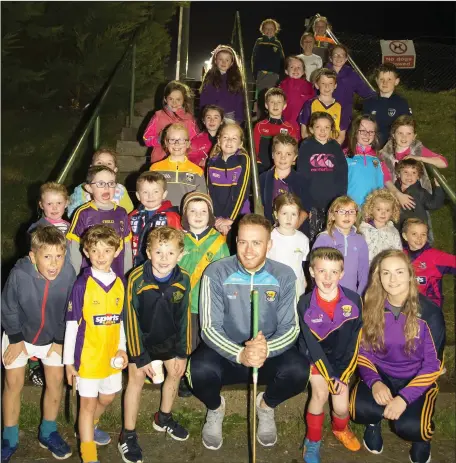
{"x": 33, "y": 316}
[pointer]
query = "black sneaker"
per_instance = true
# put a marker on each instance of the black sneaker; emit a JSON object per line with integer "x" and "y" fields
{"x": 129, "y": 448}
{"x": 373, "y": 440}
{"x": 184, "y": 391}
{"x": 420, "y": 452}
{"x": 171, "y": 426}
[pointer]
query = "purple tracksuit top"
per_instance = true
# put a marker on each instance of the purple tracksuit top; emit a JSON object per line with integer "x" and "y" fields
{"x": 356, "y": 257}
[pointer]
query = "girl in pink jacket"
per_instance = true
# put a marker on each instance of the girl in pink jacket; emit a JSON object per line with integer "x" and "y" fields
{"x": 297, "y": 89}
{"x": 177, "y": 107}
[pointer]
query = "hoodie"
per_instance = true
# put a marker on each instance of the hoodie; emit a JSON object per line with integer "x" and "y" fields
{"x": 33, "y": 308}
{"x": 356, "y": 257}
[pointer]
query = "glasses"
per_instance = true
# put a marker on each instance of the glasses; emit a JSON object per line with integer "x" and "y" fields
{"x": 344, "y": 212}
{"x": 338, "y": 55}
{"x": 177, "y": 141}
{"x": 104, "y": 184}
{"x": 367, "y": 132}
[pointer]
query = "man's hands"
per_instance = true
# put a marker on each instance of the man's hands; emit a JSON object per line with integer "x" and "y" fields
{"x": 382, "y": 394}
{"x": 255, "y": 352}
{"x": 13, "y": 351}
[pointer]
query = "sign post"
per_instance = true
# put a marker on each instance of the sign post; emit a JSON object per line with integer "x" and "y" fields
{"x": 401, "y": 53}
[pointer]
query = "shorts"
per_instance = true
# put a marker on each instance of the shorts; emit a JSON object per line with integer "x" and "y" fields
{"x": 92, "y": 387}
{"x": 40, "y": 352}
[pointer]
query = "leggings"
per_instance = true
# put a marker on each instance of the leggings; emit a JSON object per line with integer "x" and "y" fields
{"x": 285, "y": 376}
{"x": 414, "y": 425}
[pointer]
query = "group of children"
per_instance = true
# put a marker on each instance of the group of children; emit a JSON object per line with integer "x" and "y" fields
{"x": 120, "y": 287}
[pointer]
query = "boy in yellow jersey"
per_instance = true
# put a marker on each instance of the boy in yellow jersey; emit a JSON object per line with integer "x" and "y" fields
{"x": 156, "y": 319}
{"x": 94, "y": 349}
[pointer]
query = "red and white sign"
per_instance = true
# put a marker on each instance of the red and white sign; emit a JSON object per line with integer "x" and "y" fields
{"x": 401, "y": 53}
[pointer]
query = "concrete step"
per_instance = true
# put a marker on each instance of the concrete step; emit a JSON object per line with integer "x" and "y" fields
{"x": 130, "y": 148}
{"x": 130, "y": 163}
{"x": 136, "y": 121}
{"x": 129, "y": 134}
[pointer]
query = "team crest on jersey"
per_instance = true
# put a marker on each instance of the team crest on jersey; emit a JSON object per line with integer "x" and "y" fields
{"x": 375, "y": 163}
{"x": 234, "y": 179}
{"x": 117, "y": 300}
{"x": 422, "y": 265}
{"x": 317, "y": 320}
{"x": 421, "y": 280}
{"x": 391, "y": 112}
{"x": 70, "y": 306}
{"x": 284, "y": 131}
{"x": 189, "y": 177}
{"x": 177, "y": 296}
{"x": 106, "y": 320}
{"x": 122, "y": 226}
{"x": 346, "y": 310}
{"x": 232, "y": 296}
{"x": 209, "y": 256}
{"x": 271, "y": 296}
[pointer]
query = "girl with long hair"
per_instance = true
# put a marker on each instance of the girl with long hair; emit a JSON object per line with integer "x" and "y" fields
{"x": 400, "y": 358}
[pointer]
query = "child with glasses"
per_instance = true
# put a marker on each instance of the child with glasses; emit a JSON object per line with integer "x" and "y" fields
{"x": 182, "y": 176}
{"x": 100, "y": 183}
{"x": 365, "y": 170}
{"x": 341, "y": 234}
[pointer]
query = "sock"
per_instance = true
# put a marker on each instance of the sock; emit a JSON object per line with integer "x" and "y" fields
{"x": 163, "y": 416}
{"x": 339, "y": 424}
{"x": 47, "y": 427}
{"x": 314, "y": 426}
{"x": 95, "y": 423}
{"x": 11, "y": 434}
{"x": 89, "y": 451}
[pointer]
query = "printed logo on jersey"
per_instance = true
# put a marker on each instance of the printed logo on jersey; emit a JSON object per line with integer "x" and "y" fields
{"x": 421, "y": 280}
{"x": 346, "y": 310}
{"x": 235, "y": 177}
{"x": 232, "y": 296}
{"x": 422, "y": 265}
{"x": 106, "y": 320}
{"x": 190, "y": 177}
{"x": 167, "y": 176}
{"x": 177, "y": 296}
{"x": 317, "y": 320}
{"x": 323, "y": 161}
{"x": 374, "y": 112}
{"x": 121, "y": 226}
{"x": 391, "y": 112}
{"x": 70, "y": 306}
{"x": 271, "y": 295}
{"x": 284, "y": 131}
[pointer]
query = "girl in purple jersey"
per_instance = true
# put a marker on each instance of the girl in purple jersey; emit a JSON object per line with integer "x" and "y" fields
{"x": 400, "y": 358}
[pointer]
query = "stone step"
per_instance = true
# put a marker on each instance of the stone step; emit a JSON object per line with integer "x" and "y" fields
{"x": 131, "y": 148}
{"x": 130, "y": 163}
{"x": 129, "y": 134}
{"x": 136, "y": 121}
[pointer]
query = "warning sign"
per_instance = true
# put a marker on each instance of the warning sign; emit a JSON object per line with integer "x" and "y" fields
{"x": 401, "y": 53}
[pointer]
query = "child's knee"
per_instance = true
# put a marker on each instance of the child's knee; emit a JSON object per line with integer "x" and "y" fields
{"x": 320, "y": 393}
{"x": 88, "y": 404}
{"x": 106, "y": 399}
{"x": 53, "y": 376}
{"x": 14, "y": 379}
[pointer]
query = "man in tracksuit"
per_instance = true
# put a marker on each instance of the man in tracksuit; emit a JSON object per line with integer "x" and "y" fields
{"x": 228, "y": 352}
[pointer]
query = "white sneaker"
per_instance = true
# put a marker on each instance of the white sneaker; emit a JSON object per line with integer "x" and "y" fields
{"x": 212, "y": 429}
{"x": 267, "y": 430}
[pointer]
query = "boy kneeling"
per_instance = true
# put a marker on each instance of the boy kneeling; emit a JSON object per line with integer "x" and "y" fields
{"x": 156, "y": 310}
{"x": 33, "y": 314}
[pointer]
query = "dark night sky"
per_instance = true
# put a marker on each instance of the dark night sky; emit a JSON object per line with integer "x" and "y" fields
{"x": 211, "y": 22}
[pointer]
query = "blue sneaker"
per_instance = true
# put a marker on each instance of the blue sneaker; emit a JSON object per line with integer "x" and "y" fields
{"x": 101, "y": 437}
{"x": 373, "y": 440}
{"x": 7, "y": 451}
{"x": 420, "y": 452}
{"x": 56, "y": 445}
{"x": 311, "y": 451}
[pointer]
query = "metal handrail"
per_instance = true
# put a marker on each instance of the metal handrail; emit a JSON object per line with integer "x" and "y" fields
{"x": 432, "y": 170}
{"x": 237, "y": 35}
{"x": 94, "y": 121}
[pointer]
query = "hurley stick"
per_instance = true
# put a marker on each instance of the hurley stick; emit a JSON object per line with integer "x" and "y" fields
{"x": 255, "y": 370}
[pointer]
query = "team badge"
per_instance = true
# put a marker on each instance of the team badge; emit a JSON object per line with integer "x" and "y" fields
{"x": 121, "y": 224}
{"x": 70, "y": 306}
{"x": 284, "y": 131}
{"x": 189, "y": 177}
{"x": 391, "y": 112}
{"x": 421, "y": 280}
{"x": 373, "y": 113}
{"x": 375, "y": 163}
{"x": 232, "y": 296}
{"x": 177, "y": 296}
{"x": 317, "y": 320}
{"x": 346, "y": 310}
{"x": 271, "y": 295}
{"x": 422, "y": 265}
{"x": 234, "y": 179}
{"x": 209, "y": 256}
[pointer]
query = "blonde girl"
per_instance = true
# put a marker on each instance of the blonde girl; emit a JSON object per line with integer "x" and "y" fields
{"x": 222, "y": 84}
{"x": 400, "y": 358}
{"x": 381, "y": 212}
{"x": 289, "y": 245}
{"x": 177, "y": 108}
{"x": 341, "y": 234}
{"x": 102, "y": 157}
{"x": 228, "y": 177}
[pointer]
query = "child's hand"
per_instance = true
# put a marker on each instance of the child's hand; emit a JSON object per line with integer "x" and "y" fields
{"x": 406, "y": 201}
{"x": 381, "y": 393}
{"x": 71, "y": 373}
{"x": 123, "y": 354}
{"x": 13, "y": 351}
{"x": 395, "y": 408}
{"x": 179, "y": 366}
{"x": 57, "y": 348}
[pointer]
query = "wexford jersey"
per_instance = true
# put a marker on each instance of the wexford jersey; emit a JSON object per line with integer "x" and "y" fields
{"x": 98, "y": 310}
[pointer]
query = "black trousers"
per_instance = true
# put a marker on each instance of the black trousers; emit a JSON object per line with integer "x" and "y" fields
{"x": 285, "y": 375}
{"x": 414, "y": 425}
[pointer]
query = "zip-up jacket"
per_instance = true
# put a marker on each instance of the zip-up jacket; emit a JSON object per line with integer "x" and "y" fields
{"x": 324, "y": 171}
{"x": 423, "y": 366}
{"x": 160, "y": 120}
{"x": 156, "y": 315}
{"x": 356, "y": 256}
{"x": 201, "y": 148}
{"x": 331, "y": 345}
{"x": 225, "y": 306}
{"x": 229, "y": 184}
{"x": 267, "y": 55}
{"x": 430, "y": 266}
{"x": 182, "y": 177}
{"x": 33, "y": 308}
{"x": 380, "y": 239}
{"x": 263, "y": 133}
{"x": 298, "y": 91}
{"x": 339, "y": 113}
{"x": 142, "y": 223}
{"x": 366, "y": 173}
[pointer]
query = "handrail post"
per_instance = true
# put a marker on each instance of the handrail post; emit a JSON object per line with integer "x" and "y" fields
{"x": 258, "y": 206}
{"x": 132, "y": 85}
{"x": 96, "y": 133}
